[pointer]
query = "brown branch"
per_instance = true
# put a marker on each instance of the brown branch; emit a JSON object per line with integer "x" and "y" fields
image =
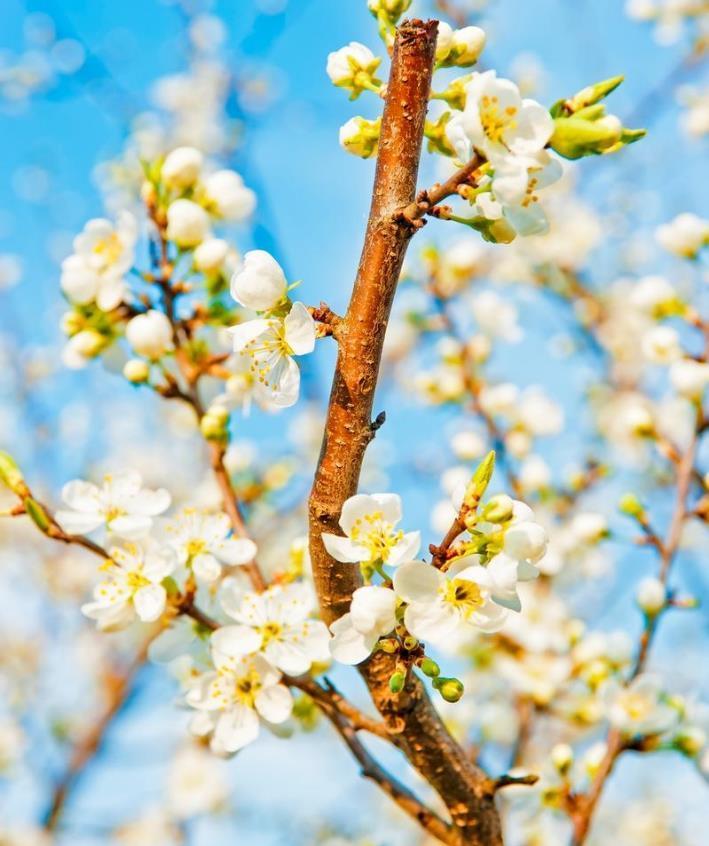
{"x": 582, "y": 808}
{"x": 432, "y": 751}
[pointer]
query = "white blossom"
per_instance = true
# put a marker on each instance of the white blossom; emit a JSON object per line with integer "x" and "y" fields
{"x": 498, "y": 122}
{"x": 372, "y": 614}
{"x": 684, "y": 236}
{"x": 133, "y": 584}
{"x": 103, "y": 254}
{"x": 368, "y": 522}
{"x": 278, "y": 624}
{"x": 689, "y": 378}
{"x": 440, "y": 604}
{"x": 270, "y": 344}
{"x": 639, "y": 709}
{"x": 122, "y": 504}
{"x": 202, "y": 542}
{"x": 241, "y": 690}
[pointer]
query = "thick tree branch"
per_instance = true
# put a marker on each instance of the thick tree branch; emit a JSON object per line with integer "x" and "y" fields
{"x": 464, "y": 788}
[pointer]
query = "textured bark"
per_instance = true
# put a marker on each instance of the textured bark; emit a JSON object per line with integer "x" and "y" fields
{"x": 466, "y": 791}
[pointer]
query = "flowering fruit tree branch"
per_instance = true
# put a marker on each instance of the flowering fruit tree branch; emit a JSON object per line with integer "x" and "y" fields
{"x": 465, "y": 789}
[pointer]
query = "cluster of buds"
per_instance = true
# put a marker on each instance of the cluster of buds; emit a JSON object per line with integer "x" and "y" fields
{"x": 582, "y": 127}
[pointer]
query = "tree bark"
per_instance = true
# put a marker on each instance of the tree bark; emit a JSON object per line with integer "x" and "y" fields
{"x": 465, "y": 789}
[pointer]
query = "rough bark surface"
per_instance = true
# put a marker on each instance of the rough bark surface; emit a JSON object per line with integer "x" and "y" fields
{"x": 465, "y": 789}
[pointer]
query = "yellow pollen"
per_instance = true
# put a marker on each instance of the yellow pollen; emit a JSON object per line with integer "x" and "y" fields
{"x": 464, "y": 595}
{"x": 109, "y": 249}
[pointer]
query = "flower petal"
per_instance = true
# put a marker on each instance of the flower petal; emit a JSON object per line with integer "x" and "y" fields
{"x": 149, "y": 602}
{"x": 236, "y": 728}
{"x": 417, "y": 582}
{"x": 274, "y": 703}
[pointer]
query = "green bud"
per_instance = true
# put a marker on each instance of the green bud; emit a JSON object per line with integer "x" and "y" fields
{"x": 690, "y": 741}
{"x": 481, "y": 479}
{"x": 499, "y": 509}
{"x": 437, "y": 139}
{"x": 37, "y": 514}
{"x": 450, "y": 689}
{"x": 215, "y": 424}
{"x": 455, "y": 95}
{"x": 592, "y": 94}
{"x": 360, "y": 136}
{"x": 306, "y": 712}
{"x": 630, "y": 505}
{"x": 396, "y": 681}
{"x": 574, "y": 137}
{"x": 136, "y": 371}
{"x": 430, "y": 668}
{"x": 410, "y": 643}
{"x": 11, "y": 475}
{"x": 389, "y": 645}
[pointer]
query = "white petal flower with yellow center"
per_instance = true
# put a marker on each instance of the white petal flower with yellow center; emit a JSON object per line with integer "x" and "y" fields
{"x": 270, "y": 343}
{"x": 498, "y": 122}
{"x": 369, "y": 523}
{"x": 639, "y": 709}
{"x": 201, "y": 541}
{"x": 133, "y": 586}
{"x": 103, "y": 254}
{"x": 440, "y": 604}
{"x": 232, "y": 699}
{"x": 276, "y": 623}
{"x": 372, "y": 614}
{"x": 122, "y": 504}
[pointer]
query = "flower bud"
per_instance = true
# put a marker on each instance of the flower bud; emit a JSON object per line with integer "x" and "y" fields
{"x": 150, "y": 334}
{"x": 182, "y": 167}
{"x": 388, "y": 645}
{"x": 690, "y": 740}
{"x": 410, "y": 643}
{"x": 651, "y": 596}
{"x": 260, "y": 284}
{"x": 37, "y": 514}
{"x": 11, "y": 475}
{"x": 592, "y": 94}
{"x": 352, "y": 68}
{"x": 689, "y": 378}
{"x": 450, "y": 689}
{"x": 87, "y": 343}
{"x": 562, "y": 757}
{"x": 684, "y": 236}
{"x": 214, "y": 425}
{"x": 227, "y": 197}
{"x": 481, "y": 479}
{"x": 391, "y": 10}
{"x": 397, "y": 681}
{"x": 72, "y": 322}
{"x": 187, "y": 223}
{"x": 210, "y": 255}
{"x": 499, "y": 509}
{"x": 576, "y": 137}
{"x": 464, "y": 47}
{"x": 136, "y": 371}
{"x": 360, "y": 136}
{"x": 630, "y": 505}
{"x": 430, "y": 668}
